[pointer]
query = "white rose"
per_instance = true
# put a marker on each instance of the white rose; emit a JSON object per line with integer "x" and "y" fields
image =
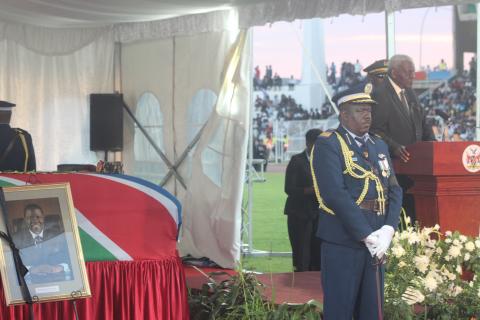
{"x": 413, "y": 238}
{"x": 457, "y": 290}
{"x": 398, "y": 251}
{"x": 462, "y": 238}
{"x": 456, "y": 242}
{"x": 470, "y": 246}
{"x": 448, "y": 233}
{"x": 454, "y": 251}
{"x": 477, "y": 243}
{"x": 430, "y": 283}
{"x": 466, "y": 257}
{"x": 439, "y": 250}
{"x": 421, "y": 262}
{"x": 459, "y": 269}
{"x": 448, "y": 240}
{"x": 401, "y": 264}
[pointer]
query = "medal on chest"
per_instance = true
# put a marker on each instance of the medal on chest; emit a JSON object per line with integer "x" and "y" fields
{"x": 384, "y": 166}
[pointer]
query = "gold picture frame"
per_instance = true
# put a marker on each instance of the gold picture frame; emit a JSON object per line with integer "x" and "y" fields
{"x": 42, "y": 224}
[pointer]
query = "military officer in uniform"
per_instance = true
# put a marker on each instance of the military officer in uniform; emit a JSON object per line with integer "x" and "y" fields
{"x": 16, "y": 148}
{"x": 377, "y": 72}
{"x": 360, "y": 201}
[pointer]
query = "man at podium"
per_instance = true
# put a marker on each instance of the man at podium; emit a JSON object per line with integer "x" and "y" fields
{"x": 399, "y": 118}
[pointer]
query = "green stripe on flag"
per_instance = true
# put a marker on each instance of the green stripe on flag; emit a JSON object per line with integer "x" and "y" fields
{"x": 4, "y": 183}
{"x": 92, "y": 250}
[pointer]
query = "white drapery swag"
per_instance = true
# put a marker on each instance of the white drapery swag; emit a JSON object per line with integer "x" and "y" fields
{"x": 288, "y": 10}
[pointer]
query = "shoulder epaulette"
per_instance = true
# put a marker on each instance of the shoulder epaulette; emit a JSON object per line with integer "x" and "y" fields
{"x": 326, "y": 134}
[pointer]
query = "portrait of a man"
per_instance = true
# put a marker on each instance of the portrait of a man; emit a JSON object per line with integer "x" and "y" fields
{"x": 42, "y": 247}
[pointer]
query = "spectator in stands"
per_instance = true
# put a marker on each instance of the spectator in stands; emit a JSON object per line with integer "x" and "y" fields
{"x": 442, "y": 66}
{"x": 332, "y": 79}
{"x": 291, "y": 83}
{"x": 277, "y": 82}
{"x": 399, "y": 118}
{"x": 473, "y": 70}
{"x": 302, "y": 209}
{"x": 358, "y": 68}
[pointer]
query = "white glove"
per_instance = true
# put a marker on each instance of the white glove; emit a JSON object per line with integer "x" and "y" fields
{"x": 385, "y": 235}
{"x": 371, "y": 241}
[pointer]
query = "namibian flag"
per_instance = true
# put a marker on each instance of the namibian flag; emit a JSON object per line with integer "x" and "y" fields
{"x": 119, "y": 217}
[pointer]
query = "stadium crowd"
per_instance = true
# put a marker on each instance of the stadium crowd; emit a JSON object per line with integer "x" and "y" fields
{"x": 450, "y": 107}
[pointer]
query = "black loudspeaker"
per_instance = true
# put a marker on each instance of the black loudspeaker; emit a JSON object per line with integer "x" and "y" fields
{"x": 106, "y": 122}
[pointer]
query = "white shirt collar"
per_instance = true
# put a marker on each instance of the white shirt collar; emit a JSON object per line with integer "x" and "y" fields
{"x": 365, "y": 137}
{"x": 34, "y": 235}
{"x": 395, "y": 86}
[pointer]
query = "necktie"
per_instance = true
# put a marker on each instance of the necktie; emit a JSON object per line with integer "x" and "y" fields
{"x": 37, "y": 240}
{"x": 404, "y": 101}
{"x": 363, "y": 146}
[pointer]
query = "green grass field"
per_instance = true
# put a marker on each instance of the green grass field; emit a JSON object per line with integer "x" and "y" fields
{"x": 269, "y": 225}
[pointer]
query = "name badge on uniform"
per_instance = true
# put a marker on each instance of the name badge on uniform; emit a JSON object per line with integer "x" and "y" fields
{"x": 384, "y": 166}
{"x": 354, "y": 159}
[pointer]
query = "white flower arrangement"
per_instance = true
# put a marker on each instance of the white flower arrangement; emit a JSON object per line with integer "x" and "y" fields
{"x": 434, "y": 272}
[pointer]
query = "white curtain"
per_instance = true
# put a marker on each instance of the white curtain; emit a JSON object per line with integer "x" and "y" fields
{"x": 52, "y": 97}
{"x": 175, "y": 70}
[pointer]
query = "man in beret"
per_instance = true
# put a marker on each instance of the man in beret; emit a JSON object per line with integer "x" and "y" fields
{"x": 360, "y": 201}
{"x": 16, "y": 148}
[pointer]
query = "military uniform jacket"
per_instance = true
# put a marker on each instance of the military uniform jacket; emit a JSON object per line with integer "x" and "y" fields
{"x": 350, "y": 224}
{"x": 20, "y": 157}
{"x": 392, "y": 121}
{"x": 297, "y": 178}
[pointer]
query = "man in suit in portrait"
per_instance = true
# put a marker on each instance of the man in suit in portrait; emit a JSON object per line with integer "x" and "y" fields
{"x": 399, "y": 119}
{"x": 301, "y": 208}
{"x": 16, "y": 148}
{"x": 43, "y": 249}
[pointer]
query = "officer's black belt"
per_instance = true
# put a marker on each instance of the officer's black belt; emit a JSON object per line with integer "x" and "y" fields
{"x": 371, "y": 205}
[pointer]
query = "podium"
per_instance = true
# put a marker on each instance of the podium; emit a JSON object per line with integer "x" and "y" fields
{"x": 446, "y": 184}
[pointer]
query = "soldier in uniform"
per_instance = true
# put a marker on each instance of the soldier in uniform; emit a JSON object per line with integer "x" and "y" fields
{"x": 16, "y": 148}
{"x": 360, "y": 201}
{"x": 377, "y": 72}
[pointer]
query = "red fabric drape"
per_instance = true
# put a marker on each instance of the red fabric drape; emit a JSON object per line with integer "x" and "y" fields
{"x": 148, "y": 289}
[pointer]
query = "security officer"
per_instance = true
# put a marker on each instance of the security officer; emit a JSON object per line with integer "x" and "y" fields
{"x": 16, "y": 148}
{"x": 377, "y": 72}
{"x": 360, "y": 204}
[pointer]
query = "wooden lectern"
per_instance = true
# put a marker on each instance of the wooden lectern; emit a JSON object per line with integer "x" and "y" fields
{"x": 447, "y": 184}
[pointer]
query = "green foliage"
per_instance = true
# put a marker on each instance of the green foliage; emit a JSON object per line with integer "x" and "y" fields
{"x": 240, "y": 298}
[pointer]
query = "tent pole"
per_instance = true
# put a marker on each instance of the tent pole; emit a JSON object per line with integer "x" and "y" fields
{"x": 250, "y": 150}
{"x": 477, "y": 87}
{"x": 390, "y": 33}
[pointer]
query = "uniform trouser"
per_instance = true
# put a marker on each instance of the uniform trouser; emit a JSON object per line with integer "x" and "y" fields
{"x": 305, "y": 245}
{"x": 349, "y": 283}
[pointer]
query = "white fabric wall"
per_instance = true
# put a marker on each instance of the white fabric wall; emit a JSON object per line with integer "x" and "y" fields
{"x": 212, "y": 201}
{"x": 51, "y": 93}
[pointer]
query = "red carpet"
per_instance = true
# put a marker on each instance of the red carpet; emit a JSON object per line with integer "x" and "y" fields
{"x": 289, "y": 287}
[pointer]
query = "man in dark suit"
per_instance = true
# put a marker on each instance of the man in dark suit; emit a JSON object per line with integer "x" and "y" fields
{"x": 302, "y": 209}
{"x": 43, "y": 249}
{"x": 359, "y": 200}
{"x": 16, "y": 148}
{"x": 399, "y": 118}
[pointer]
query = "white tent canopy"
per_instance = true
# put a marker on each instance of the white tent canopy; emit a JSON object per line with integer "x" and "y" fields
{"x": 183, "y": 55}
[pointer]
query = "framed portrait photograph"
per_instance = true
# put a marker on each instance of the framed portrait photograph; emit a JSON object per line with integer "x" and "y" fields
{"x": 41, "y": 222}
